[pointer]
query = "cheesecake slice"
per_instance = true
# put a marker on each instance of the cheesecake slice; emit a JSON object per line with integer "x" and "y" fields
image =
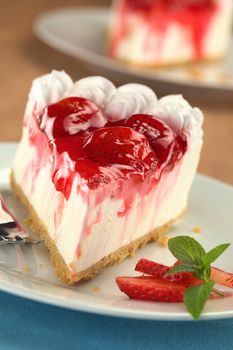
{"x": 169, "y": 32}
{"x": 103, "y": 170}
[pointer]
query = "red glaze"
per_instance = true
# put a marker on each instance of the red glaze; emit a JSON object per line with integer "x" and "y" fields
{"x": 74, "y": 114}
{"x": 167, "y": 145}
{"x": 140, "y": 147}
{"x": 193, "y": 15}
{"x": 121, "y": 147}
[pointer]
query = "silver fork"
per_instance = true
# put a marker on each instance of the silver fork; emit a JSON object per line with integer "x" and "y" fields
{"x": 11, "y": 231}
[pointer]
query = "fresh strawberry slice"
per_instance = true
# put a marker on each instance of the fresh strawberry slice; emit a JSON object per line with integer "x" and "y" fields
{"x": 158, "y": 270}
{"x": 151, "y": 268}
{"x": 167, "y": 145}
{"x": 221, "y": 277}
{"x": 151, "y": 289}
{"x": 186, "y": 278}
{"x": 125, "y": 149}
{"x": 74, "y": 114}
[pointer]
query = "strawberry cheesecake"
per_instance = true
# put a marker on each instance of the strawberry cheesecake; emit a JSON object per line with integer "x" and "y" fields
{"x": 103, "y": 170}
{"x": 168, "y": 32}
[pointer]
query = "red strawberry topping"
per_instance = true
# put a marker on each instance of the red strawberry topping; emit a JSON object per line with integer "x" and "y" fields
{"x": 83, "y": 141}
{"x": 126, "y": 149}
{"x": 74, "y": 114}
{"x": 167, "y": 145}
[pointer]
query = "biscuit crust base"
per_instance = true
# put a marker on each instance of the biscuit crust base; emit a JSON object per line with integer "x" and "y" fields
{"x": 61, "y": 268}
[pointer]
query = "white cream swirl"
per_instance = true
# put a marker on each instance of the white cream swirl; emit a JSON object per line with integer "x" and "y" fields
{"x": 127, "y": 100}
{"x": 96, "y": 89}
{"x": 115, "y": 103}
{"x": 179, "y": 115}
{"x": 50, "y": 88}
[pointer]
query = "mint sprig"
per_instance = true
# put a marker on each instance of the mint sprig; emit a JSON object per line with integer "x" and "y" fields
{"x": 193, "y": 258}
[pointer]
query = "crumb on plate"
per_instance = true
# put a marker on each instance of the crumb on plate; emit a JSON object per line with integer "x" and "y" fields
{"x": 26, "y": 269}
{"x": 96, "y": 289}
{"x": 225, "y": 77}
{"x": 163, "y": 241}
{"x": 197, "y": 229}
{"x": 196, "y": 73}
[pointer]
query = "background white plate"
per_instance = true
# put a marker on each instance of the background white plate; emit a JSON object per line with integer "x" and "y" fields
{"x": 82, "y": 33}
{"x": 27, "y": 272}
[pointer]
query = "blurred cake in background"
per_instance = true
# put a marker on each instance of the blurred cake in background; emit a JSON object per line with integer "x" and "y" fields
{"x": 168, "y": 32}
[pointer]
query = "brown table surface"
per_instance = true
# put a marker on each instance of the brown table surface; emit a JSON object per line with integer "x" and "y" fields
{"x": 24, "y": 57}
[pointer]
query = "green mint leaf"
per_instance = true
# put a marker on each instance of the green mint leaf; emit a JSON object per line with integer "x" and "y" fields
{"x": 214, "y": 253}
{"x": 196, "y": 297}
{"x": 186, "y": 249}
{"x": 179, "y": 268}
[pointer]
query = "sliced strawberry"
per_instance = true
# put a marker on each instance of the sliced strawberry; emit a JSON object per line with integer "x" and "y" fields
{"x": 74, "y": 114}
{"x": 222, "y": 277}
{"x": 186, "y": 278}
{"x": 167, "y": 145}
{"x": 127, "y": 150}
{"x": 151, "y": 268}
{"x": 158, "y": 270}
{"x": 151, "y": 289}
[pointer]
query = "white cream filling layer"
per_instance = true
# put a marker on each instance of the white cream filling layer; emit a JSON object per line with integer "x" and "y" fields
{"x": 165, "y": 202}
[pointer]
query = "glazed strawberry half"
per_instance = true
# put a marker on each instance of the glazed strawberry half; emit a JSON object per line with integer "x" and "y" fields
{"x": 126, "y": 149}
{"x": 168, "y": 146}
{"x": 74, "y": 114}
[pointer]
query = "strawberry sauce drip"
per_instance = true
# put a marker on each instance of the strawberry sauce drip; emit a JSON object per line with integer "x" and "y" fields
{"x": 192, "y": 15}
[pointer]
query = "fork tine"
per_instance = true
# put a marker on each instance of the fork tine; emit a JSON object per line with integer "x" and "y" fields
{"x": 18, "y": 241}
{"x": 3, "y": 241}
{"x": 11, "y": 231}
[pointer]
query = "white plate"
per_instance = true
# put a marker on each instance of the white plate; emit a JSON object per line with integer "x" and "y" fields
{"x": 82, "y": 33}
{"x": 27, "y": 272}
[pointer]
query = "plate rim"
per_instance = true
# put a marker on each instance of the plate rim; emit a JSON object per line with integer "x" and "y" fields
{"x": 93, "y": 307}
{"x": 92, "y": 57}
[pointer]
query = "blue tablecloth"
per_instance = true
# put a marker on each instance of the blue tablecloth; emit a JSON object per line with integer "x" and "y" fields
{"x": 30, "y": 325}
